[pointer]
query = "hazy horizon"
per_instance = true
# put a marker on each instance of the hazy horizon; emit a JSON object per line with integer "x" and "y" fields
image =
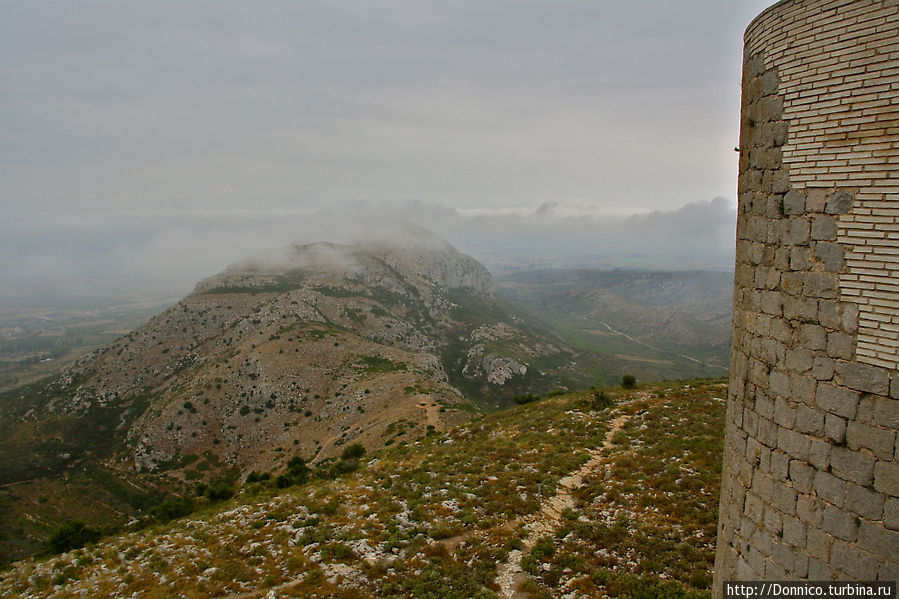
{"x": 149, "y": 145}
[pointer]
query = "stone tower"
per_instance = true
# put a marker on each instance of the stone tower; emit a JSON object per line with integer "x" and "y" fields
{"x": 810, "y": 485}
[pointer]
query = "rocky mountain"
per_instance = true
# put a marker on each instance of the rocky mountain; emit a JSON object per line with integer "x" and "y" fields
{"x": 297, "y": 352}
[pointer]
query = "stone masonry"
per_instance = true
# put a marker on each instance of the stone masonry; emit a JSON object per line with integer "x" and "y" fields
{"x": 810, "y": 486}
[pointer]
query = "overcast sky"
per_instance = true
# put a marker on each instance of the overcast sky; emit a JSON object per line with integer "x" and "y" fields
{"x": 118, "y": 112}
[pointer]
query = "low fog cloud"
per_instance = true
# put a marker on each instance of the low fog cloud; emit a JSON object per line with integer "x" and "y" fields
{"x": 47, "y": 261}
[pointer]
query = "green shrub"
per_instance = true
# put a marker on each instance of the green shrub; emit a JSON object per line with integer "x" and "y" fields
{"x": 172, "y": 508}
{"x": 352, "y": 451}
{"x": 71, "y": 535}
{"x": 219, "y": 491}
{"x": 629, "y": 381}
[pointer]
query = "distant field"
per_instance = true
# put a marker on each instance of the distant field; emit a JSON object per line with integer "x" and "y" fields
{"x": 39, "y": 342}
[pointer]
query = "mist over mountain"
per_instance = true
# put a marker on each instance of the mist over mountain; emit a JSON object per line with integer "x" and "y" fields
{"x": 98, "y": 257}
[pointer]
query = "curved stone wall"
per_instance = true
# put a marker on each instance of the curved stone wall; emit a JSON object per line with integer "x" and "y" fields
{"x": 810, "y": 486}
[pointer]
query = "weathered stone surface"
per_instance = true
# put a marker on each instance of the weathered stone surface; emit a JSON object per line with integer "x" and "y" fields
{"x": 819, "y": 284}
{"x": 835, "y": 428}
{"x": 886, "y": 413}
{"x": 852, "y": 465}
{"x": 878, "y": 540}
{"x": 864, "y": 502}
{"x": 809, "y": 420}
{"x": 886, "y": 478}
{"x": 840, "y": 345}
{"x": 839, "y": 401}
{"x": 831, "y": 255}
{"x": 839, "y": 202}
{"x": 830, "y": 488}
{"x": 862, "y": 377}
{"x": 879, "y": 440}
{"x": 824, "y": 228}
{"x": 848, "y": 558}
{"x": 839, "y": 523}
{"x": 891, "y": 513}
{"x": 822, "y": 368}
{"x": 794, "y": 203}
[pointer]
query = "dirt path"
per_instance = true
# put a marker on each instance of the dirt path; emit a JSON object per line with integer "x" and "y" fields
{"x": 545, "y": 522}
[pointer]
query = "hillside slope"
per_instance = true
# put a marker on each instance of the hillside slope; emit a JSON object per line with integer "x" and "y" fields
{"x": 296, "y": 352}
{"x": 561, "y": 497}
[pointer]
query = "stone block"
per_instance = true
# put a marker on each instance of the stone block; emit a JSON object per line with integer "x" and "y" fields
{"x": 824, "y": 228}
{"x": 794, "y": 203}
{"x": 816, "y": 199}
{"x": 829, "y": 314}
{"x": 784, "y": 499}
{"x": 800, "y": 230}
{"x": 850, "y": 318}
{"x": 764, "y": 405}
{"x": 886, "y": 478}
{"x": 829, "y": 488}
{"x": 780, "y": 182}
{"x": 802, "y": 476}
{"x": 820, "y": 284}
{"x": 822, "y": 368}
{"x": 772, "y": 303}
{"x": 839, "y": 202}
{"x": 891, "y": 513}
{"x": 772, "y": 521}
{"x": 780, "y": 465}
{"x": 784, "y": 413}
{"x": 840, "y": 345}
{"x": 818, "y": 543}
{"x": 781, "y": 331}
{"x": 794, "y": 444}
{"x": 886, "y": 413}
{"x": 852, "y": 465}
{"x": 894, "y": 386}
{"x": 794, "y": 532}
{"x": 835, "y": 428}
{"x": 853, "y": 561}
{"x": 840, "y": 524}
{"x": 792, "y": 283}
{"x": 888, "y": 572}
{"x": 809, "y": 509}
{"x": 819, "y": 453}
{"x": 800, "y": 308}
{"x": 861, "y": 377}
{"x": 837, "y": 400}
{"x": 831, "y": 255}
{"x": 779, "y": 384}
{"x": 803, "y": 389}
{"x": 812, "y": 336}
{"x": 817, "y": 570}
{"x": 767, "y": 432}
{"x": 809, "y": 420}
{"x": 878, "y": 540}
{"x": 864, "y": 502}
{"x": 769, "y": 83}
{"x": 879, "y": 440}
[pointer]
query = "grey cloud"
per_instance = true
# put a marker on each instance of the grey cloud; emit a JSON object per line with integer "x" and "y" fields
{"x": 165, "y": 253}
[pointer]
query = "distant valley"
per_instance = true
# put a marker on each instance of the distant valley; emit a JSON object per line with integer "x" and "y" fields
{"x": 655, "y": 324}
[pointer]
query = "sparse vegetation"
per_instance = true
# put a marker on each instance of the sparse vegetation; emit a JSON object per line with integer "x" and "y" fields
{"x": 435, "y": 518}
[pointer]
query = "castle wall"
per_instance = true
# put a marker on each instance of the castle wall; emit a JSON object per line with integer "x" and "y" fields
{"x": 810, "y": 485}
